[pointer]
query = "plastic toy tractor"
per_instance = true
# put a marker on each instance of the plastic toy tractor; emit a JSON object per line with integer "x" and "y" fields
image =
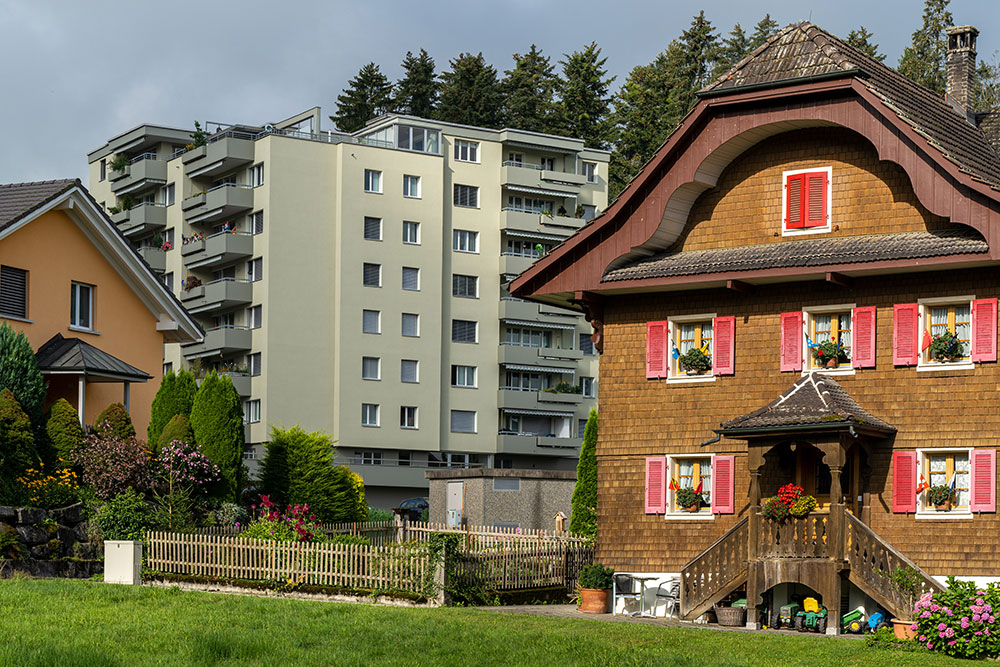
{"x": 853, "y": 621}
{"x": 787, "y": 614}
{"x": 812, "y": 617}
{"x": 877, "y": 620}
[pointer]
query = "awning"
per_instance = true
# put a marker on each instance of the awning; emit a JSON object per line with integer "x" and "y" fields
{"x": 72, "y": 356}
{"x": 540, "y": 325}
{"x": 539, "y": 369}
{"x": 543, "y": 147}
{"x": 517, "y": 233}
{"x": 539, "y": 191}
{"x": 536, "y": 413}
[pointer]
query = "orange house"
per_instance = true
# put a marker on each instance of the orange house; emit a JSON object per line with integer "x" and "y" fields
{"x": 89, "y": 305}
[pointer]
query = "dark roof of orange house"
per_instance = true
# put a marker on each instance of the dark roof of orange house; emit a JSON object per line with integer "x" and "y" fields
{"x": 17, "y": 200}
{"x": 72, "y": 355}
{"x": 815, "y": 399}
{"x": 812, "y": 252}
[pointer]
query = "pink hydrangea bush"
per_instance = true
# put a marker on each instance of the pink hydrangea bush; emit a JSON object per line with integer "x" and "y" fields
{"x": 960, "y": 621}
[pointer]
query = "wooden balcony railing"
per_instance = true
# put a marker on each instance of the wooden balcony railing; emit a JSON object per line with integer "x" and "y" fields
{"x": 794, "y": 538}
{"x": 715, "y": 571}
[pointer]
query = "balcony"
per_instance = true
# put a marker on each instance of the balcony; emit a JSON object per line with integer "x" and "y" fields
{"x": 222, "y": 340}
{"x": 220, "y": 203}
{"x": 142, "y": 219}
{"x": 222, "y": 154}
{"x": 550, "y": 228}
{"x": 511, "y": 264}
{"x": 156, "y": 258}
{"x": 539, "y": 356}
{"x": 523, "y": 175}
{"x": 144, "y": 172}
{"x": 539, "y": 445}
{"x": 218, "y": 249}
{"x": 533, "y": 399}
{"x": 220, "y": 294}
{"x": 562, "y": 398}
{"x": 241, "y": 382}
{"x": 516, "y": 309}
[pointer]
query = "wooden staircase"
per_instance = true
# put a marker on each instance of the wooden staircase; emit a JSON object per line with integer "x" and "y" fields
{"x": 715, "y": 572}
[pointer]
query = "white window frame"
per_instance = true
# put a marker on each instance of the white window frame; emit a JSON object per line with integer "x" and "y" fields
{"x": 378, "y": 321}
{"x": 167, "y": 367}
{"x": 674, "y": 373}
{"x": 472, "y": 188}
{"x": 373, "y": 181}
{"x": 251, "y": 411}
{"x": 416, "y": 417}
{"x": 255, "y": 175}
{"x": 252, "y": 225}
{"x": 924, "y": 511}
{"x": 924, "y": 362}
{"x": 408, "y": 181}
{"x": 403, "y": 282}
{"x": 379, "y": 283}
{"x": 416, "y": 371}
{"x": 252, "y": 275}
{"x": 845, "y": 368}
{"x": 402, "y": 315}
{"x": 378, "y": 369}
{"x": 475, "y": 281}
{"x": 167, "y": 194}
{"x": 467, "y": 235}
{"x": 829, "y": 202}
{"x": 465, "y": 342}
{"x": 589, "y": 170}
{"x": 475, "y": 376}
{"x": 255, "y": 316}
{"x": 75, "y": 311}
{"x": 675, "y": 513}
{"x": 365, "y": 415}
{"x": 475, "y": 421}
{"x": 586, "y": 380}
{"x": 410, "y": 224}
{"x": 364, "y": 228}
{"x": 255, "y": 361}
{"x": 469, "y": 148}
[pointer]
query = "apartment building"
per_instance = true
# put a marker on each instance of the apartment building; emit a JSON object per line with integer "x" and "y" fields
{"x": 357, "y": 283}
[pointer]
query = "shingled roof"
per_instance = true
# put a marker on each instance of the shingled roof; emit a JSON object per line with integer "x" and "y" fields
{"x": 812, "y": 252}
{"x": 803, "y": 51}
{"x": 814, "y": 399}
{"x": 17, "y": 200}
{"x": 72, "y": 355}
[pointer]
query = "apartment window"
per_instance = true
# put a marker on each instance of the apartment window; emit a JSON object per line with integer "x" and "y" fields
{"x": 13, "y": 292}
{"x": 372, "y": 275}
{"x": 249, "y": 454}
{"x": 691, "y": 473}
{"x": 371, "y": 368}
{"x": 369, "y": 414}
{"x": 806, "y": 201}
{"x": 548, "y": 163}
{"x": 168, "y": 238}
{"x": 256, "y": 175}
{"x": 255, "y": 222}
{"x": 222, "y": 274}
{"x": 403, "y": 459}
{"x": 373, "y": 181}
{"x": 253, "y": 364}
{"x": 224, "y": 320}
{"x": 81, "y": 308}
{"x": 530, "y": 204}
{"x": 255, "y": 269}
{"x": 506, "y": 484}
{"x": 463, "y": 240}
{"x": 167, "y": 195}
{"x": 371, "y": 321}
{"x": 407, "y": 416}
{"x": 586, "y": 344}
{"x": 411, "y": 186}
{"x": 502, "y": 461}
{"x": 411, "y": 232}
{"x": 516, "y": 159}
{"x": 168, "y": 367}
{"x": 373, "y": 229}
{"x": 466, "y": 196}
{"x": 463, "y": 376}
{"x": 588, "y": 388}
{"x": 519, "y": 248}
{"x": 411, "y": 278}
{"x": 465, "y": 286}
{"x": 581, "y": 427}
{"x": 590, "y": 171}
{"x": 367, "y": 457}
{"x": 464, "y": 331}
{"x": 527, "y": 381}
{"x": 422, "y": 139}
{"x": 255, "y": 317}
{"x": 411, "y": 325}
{"x": 103, "y": 169}
{"x": 409, "y": 370}
{"x": 251, "y": 411}
{"x": 527, "y": 337}
{"x": 463, "y": 421}
{"x": 466, "y": 151}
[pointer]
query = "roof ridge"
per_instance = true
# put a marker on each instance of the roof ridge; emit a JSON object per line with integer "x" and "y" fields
{"x": 52, "y": 181}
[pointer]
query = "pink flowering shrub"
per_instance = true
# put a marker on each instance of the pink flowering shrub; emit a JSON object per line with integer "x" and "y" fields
{"x": 182, "y": 465}
{"x": 295, "y": 524}
{"x": 111, "y": 465}
{"x": 960, "y": 622}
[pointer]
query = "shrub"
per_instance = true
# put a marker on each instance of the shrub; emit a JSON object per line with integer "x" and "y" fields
{"x": 173, "y": 511}
{"x": 114, "y": 421}
{"x": 352, "y": 540}
{"x": 174, "y": 397}
{"x": 334, "y": 493}
{"x": 183, "y": 466}
{"x": 296, "y": 524}
{"x": 111, "y": 465}
{"x": 376, "y": 514}
{"x": 124, "y": 517}
{"x": 217, "y": 422}
{"x": 230, "y": 515}
{"x": 49, "y": 491}
{"x": 17, "y": 448}
{"x": 10, "y": 547}
{"x": 274, "y": 468}
{"x": 63, "y": 429}
{"x": 961, "y": 621}
{"x": 596, "y": 575}
{"x": 19, "y": 373}
{"x": 179, "y": 429}
{"x": 583, "y": 519}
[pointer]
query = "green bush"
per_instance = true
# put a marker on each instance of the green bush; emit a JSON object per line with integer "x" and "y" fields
{"x": 17, "y": 445}
{"x": 584, "y": 513}
{"x": 10, "y": 547}
{"x": 596, "y": 576}
{"x": 174, "y": 512}
{"x": 376, "y": 514}
{"x": 230, "y": 515}
{"x": 332, "y": 493}
{"x": 19, "y": 373}
{"x": 174, "y": 397}
{"x": 274, "y": 469}
{"x": 124, "y": 517}
{"x": 217, "y": 422}
{"x": 178, "y": 428}
{"x": 114, "y": 422}
{"x": 63, "y": 429}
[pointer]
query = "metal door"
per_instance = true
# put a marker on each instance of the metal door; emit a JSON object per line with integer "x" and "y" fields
{"x": 456, "y": 503}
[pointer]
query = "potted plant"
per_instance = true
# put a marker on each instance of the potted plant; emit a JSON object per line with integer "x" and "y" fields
{"x": 906, "y": 581}
{"x": 118, "y": 162}
{"x": 690, "y": 500}
{"x": 940, "y": 497}
{"x": 946, "y": 347}
{"x": 595, "y": 588}
{"x": 802, "y": 506}
{"x": 773, "y": 509}
{"x": 695, "y": 362}
{"x": 829, "y": 354}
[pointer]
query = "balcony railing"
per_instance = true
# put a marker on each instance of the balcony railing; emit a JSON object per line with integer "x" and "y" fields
{"x": 141, "y": 219}
{"x": 221, "y": 248}
{"x": 221, "y": 294}
{"x": 143, "y": 172}
{"x": 219, "y": 203}
{"x": 221, "y": 340}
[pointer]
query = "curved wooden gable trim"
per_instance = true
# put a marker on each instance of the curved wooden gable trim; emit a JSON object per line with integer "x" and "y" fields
{"x": 633, "y": 220}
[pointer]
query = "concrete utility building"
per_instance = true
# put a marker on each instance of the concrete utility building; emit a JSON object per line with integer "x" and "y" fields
{"x": 356, "y": 283}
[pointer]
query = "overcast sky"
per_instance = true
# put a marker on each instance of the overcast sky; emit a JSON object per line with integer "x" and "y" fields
{"x": 78, "y": 73}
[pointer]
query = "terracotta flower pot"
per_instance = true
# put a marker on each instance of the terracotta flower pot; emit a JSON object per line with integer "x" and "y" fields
{"x": 903, "y": 629}
{"x": 944, "y": 507}
{"x": 693, "y": 508}
{"x": 594, "y": 600}
{"x": 832, "y": 363}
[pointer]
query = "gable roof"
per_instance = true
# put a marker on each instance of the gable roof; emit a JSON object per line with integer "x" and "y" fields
{"x": 19, "y": 199}
{"x": 72, "y": 355}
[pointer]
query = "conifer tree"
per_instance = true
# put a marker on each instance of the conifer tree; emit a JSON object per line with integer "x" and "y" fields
{"x": 19, "y": 373}
{"x": 17, "y": 448}
{"x": 584, "y": 519}
{"x": 699, "y": 46}
{"x": 584, "y": 105}
{"x": 924, "y": 60}
{"x": 732, "y": 49}
{"x": 114, "y": 421}
{"x": 217, "y": 423}
{"x": 470, "y": 93}
{"x": 174, "y": 397}
{"x": 529, "y": 91}
{"x": 367, "y": 96}
{"x": 986, "y": 93}
{"x": 333, "y": 493}
{"x": 63, "y": 429}
{"x": 178, "y": 428}
{"x": 861, "y": 39}
{"x": 417, "y": 90}
{"x": 762, "y": 31}
{"x": 274, "y": 481}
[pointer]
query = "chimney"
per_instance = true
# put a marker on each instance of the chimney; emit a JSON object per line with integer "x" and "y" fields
{"x": 961, "y": 67}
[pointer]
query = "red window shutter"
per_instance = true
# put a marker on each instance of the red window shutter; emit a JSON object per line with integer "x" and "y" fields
{"x": 983, "y": 480}
{"x": 794, "y": 200}
{"x": 905, "y": 334}
{"x": 656, "y": 486}
{"x": 863, "y": 337}
{"x": 791, "y": 341}
{"x": 984, "y": 330}
{"x": 723, "y": 484}
{"x": 815, "y": 207}
{"x": 904, "y": 482}
{"x": 656, "y": 349}
{"x": 724, "y": 344}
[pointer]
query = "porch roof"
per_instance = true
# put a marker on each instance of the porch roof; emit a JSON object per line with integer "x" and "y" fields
{"x": 73, "y": 356}
{"x": 814, "y": 401}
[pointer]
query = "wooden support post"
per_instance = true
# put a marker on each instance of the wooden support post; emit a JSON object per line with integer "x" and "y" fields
{"x": 739, "y": 286}
{"x": 839, "y": 279}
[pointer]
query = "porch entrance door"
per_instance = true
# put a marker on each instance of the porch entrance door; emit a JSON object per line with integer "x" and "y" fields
{"x": 813, "y": 475}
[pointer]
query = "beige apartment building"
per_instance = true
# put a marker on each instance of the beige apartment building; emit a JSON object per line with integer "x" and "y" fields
{"x": 356, "y": 283}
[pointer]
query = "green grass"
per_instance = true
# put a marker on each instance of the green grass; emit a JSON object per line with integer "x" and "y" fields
{"x": 59, "y": 622}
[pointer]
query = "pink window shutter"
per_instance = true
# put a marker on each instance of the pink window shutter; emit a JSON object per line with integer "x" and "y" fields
{"x": 984, "y": 330}
{"x": 656, "y": 484}
{"x": 863, "y": 337}
{"x": 904, "y": 482}
{"x": 791, "y": 341}
{"x": 905, "y": 334}
{"x": 656, "y": 349}
{"x": 724, "y": 344}
{"x": 723, "y": 484}
{"x": 983, "y": 480}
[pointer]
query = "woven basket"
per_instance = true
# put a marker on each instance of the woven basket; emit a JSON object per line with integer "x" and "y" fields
{"x": 731, "y": 616}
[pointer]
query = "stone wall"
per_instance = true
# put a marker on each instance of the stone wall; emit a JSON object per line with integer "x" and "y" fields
{"x": 43, "y": 540}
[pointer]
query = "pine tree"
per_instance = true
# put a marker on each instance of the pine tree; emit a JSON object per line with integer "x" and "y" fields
{"x": 732, "y": 49}
{"x": 331, "y": 492}
{"x": 584, "y": 519}
{"x": 217, "y": 422}
{"x": 178, "y": 428}
{"x": 114, "y": 421}
{"x": 19, "y": 373}
{"x": 763, "y": 31}
{"x": 986, "y": 94}
{"x": 529, "y": 92}
{"x": 584, "y": 105}
{"x": 367, "y": 96}
{"x": 470, "y": 93}
{"x": 63, "y": 429}
{"x": 174, "y": 397}
{"x": 861, "y": 39}
{"x": 17, "y": 448}
{"x": 924, "y": 60}
{"x": 699, "y": 51}
{"x": 417, "y": 90}
{"x": 273, "y": 477}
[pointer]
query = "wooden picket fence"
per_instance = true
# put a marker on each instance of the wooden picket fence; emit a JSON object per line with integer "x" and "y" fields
{"x": 523, "y": 565}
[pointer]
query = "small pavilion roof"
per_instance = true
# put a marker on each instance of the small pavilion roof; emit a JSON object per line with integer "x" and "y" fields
{"x": 73, "y": 356}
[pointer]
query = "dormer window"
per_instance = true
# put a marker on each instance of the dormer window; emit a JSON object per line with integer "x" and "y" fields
{"x": 806, "y": 203}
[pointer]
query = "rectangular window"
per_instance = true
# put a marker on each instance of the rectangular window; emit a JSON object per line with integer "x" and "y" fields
{"x": 373, "y": 181}
{"x": 168, "y": 367}
{"x": 463, "y": 421}
{"x": 367, "y": 457}
{"x": 831, "y": 334}
{"x": 588, "y": 388}
{"x": 527, "y": 337}
{"x": 548, "y": 163}
{"x": 523, "y": 380}
{"x": 411, "y": 232}
{"x": 13, "y": 292}
{"x": 422, "y": 139}
{"x": 167, "y": 195}
{"x": 463, "y": 376}
{"x": 590, "y": 171}
{"x": 256, "y": 175}
{"x": 411, "y": 186}
{"x": 586, "y": 344}
{"x": 411, "y": 325}
{"x": 515, "y": 159}
{"x": 371, "y": 368}
{"x": 409, "y": 370}
{"x": 407, "y": 416}
{"x": 373, "y": 229}
{"x": 253, "y": 364}
{"x": 941, "y": 468}
{"x": 403, "y": 459}
{"x": 371, "y": 321}
{"x": 255, "y": 222}
{"x": 464, "y": 331}
{"x": 506, "y": 484}
{"x": 372, "y": 275}
{"x": 81, "y": 313}
{"x": 411, "y": 278}
{"x": 103, "y": 170}
{"x": 806, "y": 200}
{"x": 369, "y": 414}
{"x": 251, "y": 411}
{"x": 463, "y": 240}
{"x": 466, "y": 196}
{"x": 255, "y": 317}
{"x": 581, "y": 427}
{"x": 693, "y": 473}
{"x": 466, "y": 151}
{"x": 255, "y": 269}
{"x": 692, "y": 341}
{"x": 465, "y": 286}
{"x": 950, "y": 328}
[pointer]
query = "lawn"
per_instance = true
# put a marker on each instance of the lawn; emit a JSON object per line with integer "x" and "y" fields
{"x": 57, "y": 622}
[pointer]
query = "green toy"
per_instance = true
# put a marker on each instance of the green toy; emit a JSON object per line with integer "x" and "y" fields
{"x": 812, "y": 617}
{"x": 853, "y": 621}
{"x": 787, "y": 614}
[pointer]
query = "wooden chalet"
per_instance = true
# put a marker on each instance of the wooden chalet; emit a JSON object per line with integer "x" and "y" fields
{"x": 812, "y": 196}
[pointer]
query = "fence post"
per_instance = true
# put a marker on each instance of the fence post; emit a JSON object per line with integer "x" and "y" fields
{"x": 441, "y": 579}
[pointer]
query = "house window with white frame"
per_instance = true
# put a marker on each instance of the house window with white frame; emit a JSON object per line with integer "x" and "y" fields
{"x": 589, "y": 170}
{"x": 371, "y": 275}
{"x": 464, "y": 240}
{"x": 465, "y": 286}
{"x": 81, "y": 315}
{"x": 253, "y": 364}
{"x": 806, "y": 199}
{"x": 256, "y": 175}
{"x": 466, "y": 196}
{"x": 464, "y": 331}
{"x": 463, "y": 421}
{"x": 949, "y": 329}
{"x": 408, "y": 416}
{"x": 463, "y": 376}
{"x": 943, "y": 467}
{"x": 831, "y": 332}
{"x": 411, "y": 186}
{"x": 371, "y": 368}
{"x": 255, "y": 317}
{"x": 373, "y": 228}
{"x": 410, "y": 323}
{"x": 409, "y": 371}
{"x": 373, "y": 181}
{"x": 588, "y": 387}
{"x": 466, "y": 151}
{"x": 411, "y": 279}
{"x": 368, "y": 457}
{"x": 411, "y": 233}
{"x": 688, "y": 336}
{"x": 689, "y": 472}
{"x": 371, "y": 321}
{"x": 251, "y": 411}
{"x": 369, "y": 414}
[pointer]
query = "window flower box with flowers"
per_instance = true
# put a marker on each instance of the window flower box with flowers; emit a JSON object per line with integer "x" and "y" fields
{"x": 695, "y": 361}
{"x": 946, "y": 347}
{"x": 940, "y": 497}
{"x": 829, "y": 354}
{"x": 690, "y": 500}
